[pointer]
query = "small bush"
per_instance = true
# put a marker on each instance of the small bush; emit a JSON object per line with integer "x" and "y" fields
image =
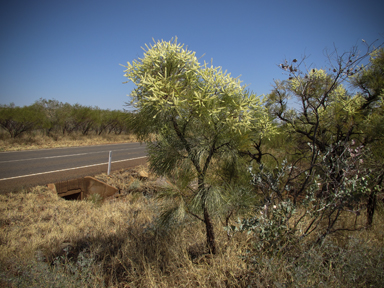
{"x": 95, "y": 199}
{"x": 136, "y": 184}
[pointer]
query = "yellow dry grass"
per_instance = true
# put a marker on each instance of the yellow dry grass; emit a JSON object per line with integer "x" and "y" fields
{"x": 46, "y": 241}
{"x": 40, "y": 219}
{"x": 31, "y": 142}
{"x": 37, "y": 227}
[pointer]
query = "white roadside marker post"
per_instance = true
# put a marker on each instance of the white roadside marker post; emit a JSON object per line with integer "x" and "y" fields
{"x": 109, "y": 162}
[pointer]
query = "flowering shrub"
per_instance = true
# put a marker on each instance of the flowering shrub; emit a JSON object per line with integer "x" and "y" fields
{"x": 336, "y": 185}
{"x": 269, "y": 226}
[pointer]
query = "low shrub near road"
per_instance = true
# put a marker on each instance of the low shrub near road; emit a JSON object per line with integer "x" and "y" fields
{"x": 46, "y": 241}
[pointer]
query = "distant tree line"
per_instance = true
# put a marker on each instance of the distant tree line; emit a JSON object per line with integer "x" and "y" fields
{"x": 53, "y": 117}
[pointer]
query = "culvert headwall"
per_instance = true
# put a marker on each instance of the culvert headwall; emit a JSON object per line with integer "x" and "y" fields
{"x": 81, "y": 188}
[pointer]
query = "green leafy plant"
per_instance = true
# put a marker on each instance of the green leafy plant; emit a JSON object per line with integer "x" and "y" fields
{"x": 95, "y": 199}
{"x": 198, "y": 114}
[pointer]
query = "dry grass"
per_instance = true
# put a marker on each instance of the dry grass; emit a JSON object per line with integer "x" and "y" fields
{"x": 133, "y": 180}
{"x": 37, "y": 141}
{"x": 46, "y": 241}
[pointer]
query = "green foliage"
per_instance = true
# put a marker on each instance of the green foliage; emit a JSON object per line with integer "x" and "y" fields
{"x": 197, "y": 113}
{"x": 331, "y": 165}
{"x": 269, "y": 227}
{"x": 17, "y": 120}
{"x": 96, "y": 199}
{"x": 173, "y": 86}
{"x": 50, "y": 109}
{"x": 370, "y": 80}
{"x": 136, "y": 184}
{"x": 55, "y": 117}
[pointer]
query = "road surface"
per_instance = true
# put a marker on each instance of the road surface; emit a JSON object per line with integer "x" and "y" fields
{"x": 23, "y": 169}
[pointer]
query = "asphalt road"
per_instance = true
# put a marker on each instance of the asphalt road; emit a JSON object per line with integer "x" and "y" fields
{"x": 23, "y": 169}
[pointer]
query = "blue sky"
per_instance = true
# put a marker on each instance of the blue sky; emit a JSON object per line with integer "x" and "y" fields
{"x": 71, "y": 50}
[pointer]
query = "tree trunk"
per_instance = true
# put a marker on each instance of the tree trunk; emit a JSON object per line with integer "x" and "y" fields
{"x": 211, "y": 242}
{"x": 371, "y": 205}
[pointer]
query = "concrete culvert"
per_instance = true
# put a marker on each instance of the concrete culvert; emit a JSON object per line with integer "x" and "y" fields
{"x": 82, "y": 188}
